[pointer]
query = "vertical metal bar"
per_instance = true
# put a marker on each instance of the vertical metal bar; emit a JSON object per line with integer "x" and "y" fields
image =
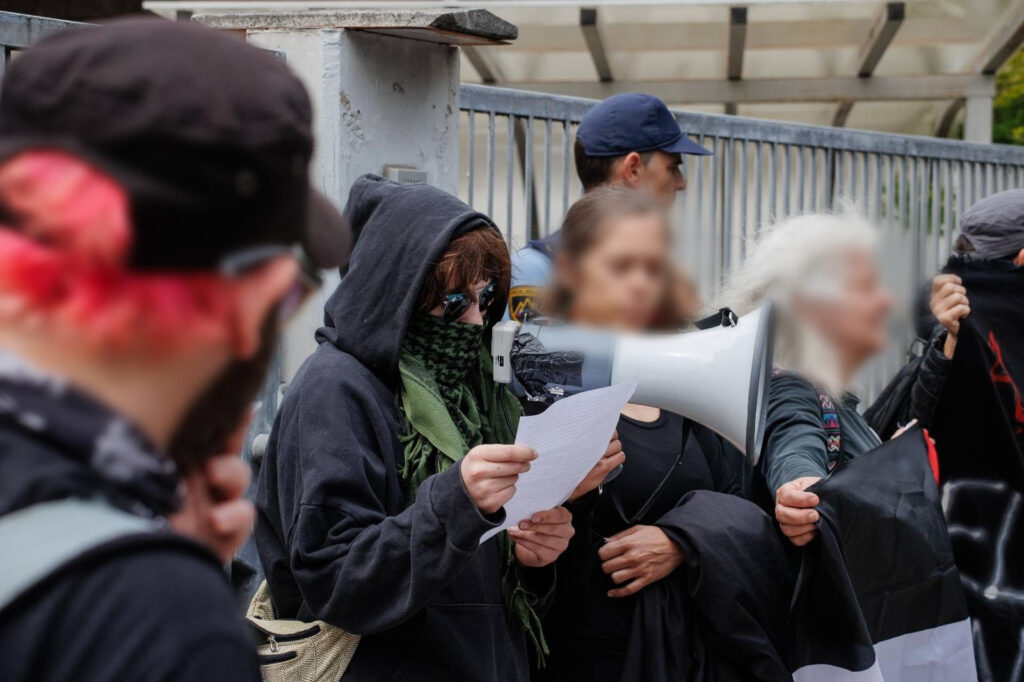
{"x": 920, "y": 215}
{"x": 713, "y": 238}
{"x": 528, "y": 176}
{"x": 935, "y": 233}
{"x": 891, "y": 195}
{"x": 547, "y": 176}
{"x": 840, "y": 174}
{"x": 800, "y": 153}
{"x": 829, "y": 190}
{"x": 814, "y": 178}
{"x": 948, "y": 218}
{"x": 786, "y": 185}
{"x": 773, "y": 181}
{"x": 853, "y": 179}
{"x": 864, "y": 172}
{"x": 758, "y": 172}
{"x": 471, "y": 164}
{"x": 698, "y": 227}
{"x": 727, "y": 199}
{"x": 744, "y": 152}
{"x": 566, "y": 165}
{"x": 490, "y": 164}
{"x": 961, "y": 196}
{"x": 877, "y": 213}
{"x": 510, "y": 172}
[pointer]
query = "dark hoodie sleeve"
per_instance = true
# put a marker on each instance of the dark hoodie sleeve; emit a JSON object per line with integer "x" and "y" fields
{"x": 361, "y": 559}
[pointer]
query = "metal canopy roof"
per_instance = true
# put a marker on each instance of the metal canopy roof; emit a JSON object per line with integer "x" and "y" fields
{"x": 903, "y": 67}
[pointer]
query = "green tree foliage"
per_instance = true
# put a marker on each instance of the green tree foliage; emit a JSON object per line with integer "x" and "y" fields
{"x": 1008, "y": 104}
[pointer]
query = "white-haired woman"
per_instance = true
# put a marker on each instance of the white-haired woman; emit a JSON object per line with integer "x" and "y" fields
{"x": 820, "y": 272}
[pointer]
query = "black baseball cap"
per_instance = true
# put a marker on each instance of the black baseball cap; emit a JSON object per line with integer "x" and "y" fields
{"x": 210, "y": 137}
{"x": 633, "y": 122}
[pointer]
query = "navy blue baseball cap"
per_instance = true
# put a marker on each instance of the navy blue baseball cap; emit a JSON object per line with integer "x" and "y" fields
{"x": 633, "y": 122}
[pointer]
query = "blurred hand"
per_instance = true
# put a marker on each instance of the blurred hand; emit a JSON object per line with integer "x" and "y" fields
{"x": 215, "y": 512}
{"x": 613, "y": 457}
{"x": 541, "y": 539}
{"x": 490, "y": 472}
{"x": 949, "y": 305}
{"x": 794, "y": 509}
{"x": 640, "y": 555}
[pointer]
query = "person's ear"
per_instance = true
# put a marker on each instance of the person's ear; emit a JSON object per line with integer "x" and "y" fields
{"x": 631, "y": 169}
{"x": 1019, "y": 260}
{"x": 256, "y": 294}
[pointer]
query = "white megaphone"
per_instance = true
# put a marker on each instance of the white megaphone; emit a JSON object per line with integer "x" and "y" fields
{"x": 717, "y": 377}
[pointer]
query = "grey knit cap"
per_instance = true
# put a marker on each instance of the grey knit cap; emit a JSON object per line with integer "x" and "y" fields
{"x": 993, "y": 227}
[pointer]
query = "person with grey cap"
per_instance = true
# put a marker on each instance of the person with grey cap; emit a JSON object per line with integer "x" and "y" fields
{"x": 157, "y": 226}
{"x": 991, "y": 231}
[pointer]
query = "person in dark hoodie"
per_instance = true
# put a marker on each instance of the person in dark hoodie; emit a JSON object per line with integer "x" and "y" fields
{"x": 384, "y": 467}
{"x": 138, "y": 312}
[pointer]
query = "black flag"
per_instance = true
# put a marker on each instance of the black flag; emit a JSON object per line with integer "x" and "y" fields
{"x": 879, "y": 597}
{"x": 979, "y": 433}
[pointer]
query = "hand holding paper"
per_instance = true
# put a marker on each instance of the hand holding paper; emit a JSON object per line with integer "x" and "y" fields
{"x": 569, "y": 438}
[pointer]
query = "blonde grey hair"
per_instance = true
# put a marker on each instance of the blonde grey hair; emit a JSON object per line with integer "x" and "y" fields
{"x": 800, "y": 258}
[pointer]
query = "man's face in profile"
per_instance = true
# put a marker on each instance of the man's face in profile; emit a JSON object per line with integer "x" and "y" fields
{"x": 662, "y": 176}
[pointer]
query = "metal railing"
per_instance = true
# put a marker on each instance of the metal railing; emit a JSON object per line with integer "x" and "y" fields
{"x": 19, "y": 31}
{"x": 516, "y": 164}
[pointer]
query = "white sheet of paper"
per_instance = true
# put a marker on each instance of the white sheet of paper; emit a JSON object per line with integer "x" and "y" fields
{"x": 570, "y": 437}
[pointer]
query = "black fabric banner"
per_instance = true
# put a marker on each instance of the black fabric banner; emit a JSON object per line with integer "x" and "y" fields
{"x": 881, "y": 571}
{"x": 979, "y": 432}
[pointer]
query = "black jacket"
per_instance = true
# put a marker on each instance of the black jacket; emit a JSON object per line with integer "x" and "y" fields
{"x": 150, "y": 607}
{"x": 337, "y": 538}
{"x": 661, "y": 633}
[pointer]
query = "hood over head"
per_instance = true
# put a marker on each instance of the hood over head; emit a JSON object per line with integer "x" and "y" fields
{"x": 400, "y": 233}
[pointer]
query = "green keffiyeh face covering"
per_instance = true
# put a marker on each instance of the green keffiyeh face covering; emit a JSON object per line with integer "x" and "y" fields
{"x": 451, "y": 405}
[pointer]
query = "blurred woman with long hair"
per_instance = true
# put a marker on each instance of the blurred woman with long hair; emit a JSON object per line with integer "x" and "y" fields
{"x": 613, "y": 271}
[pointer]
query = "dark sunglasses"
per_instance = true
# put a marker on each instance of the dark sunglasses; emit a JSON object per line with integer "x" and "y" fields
{"x": 306, "y": 282}
{"x": 455, "y": 305}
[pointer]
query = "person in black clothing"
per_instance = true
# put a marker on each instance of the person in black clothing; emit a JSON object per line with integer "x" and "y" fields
{"x": 139, "y": 307}
{"x": 386, "y": 462}
{"x": 613, "y": 272}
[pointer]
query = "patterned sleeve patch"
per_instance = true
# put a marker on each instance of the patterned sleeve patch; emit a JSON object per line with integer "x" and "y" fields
{"x": 522, "y": 302}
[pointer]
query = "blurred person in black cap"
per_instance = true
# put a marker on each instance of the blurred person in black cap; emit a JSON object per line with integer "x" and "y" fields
{"x": 628, "y": 140}
{"x": 156, "y": 224}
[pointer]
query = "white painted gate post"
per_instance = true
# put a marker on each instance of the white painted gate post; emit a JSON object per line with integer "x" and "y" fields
{"x": 385, "y": 91}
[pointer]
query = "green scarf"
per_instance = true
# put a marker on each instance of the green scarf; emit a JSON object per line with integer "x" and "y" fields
{"x": 451, "y": 405}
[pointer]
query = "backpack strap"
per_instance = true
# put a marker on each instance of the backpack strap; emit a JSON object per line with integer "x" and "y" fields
{"x": 829, "y": 420}
{"x": 40, "y": 539}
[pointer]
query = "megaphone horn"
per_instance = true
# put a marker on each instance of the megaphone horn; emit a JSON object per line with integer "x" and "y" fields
{"x": 717, "y": 377}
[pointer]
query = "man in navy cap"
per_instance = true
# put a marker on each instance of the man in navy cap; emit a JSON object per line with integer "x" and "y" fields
{"x": 629, "y": 140}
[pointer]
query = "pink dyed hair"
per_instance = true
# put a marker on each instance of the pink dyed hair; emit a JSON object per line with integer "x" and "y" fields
{"x": 66, "y": 260}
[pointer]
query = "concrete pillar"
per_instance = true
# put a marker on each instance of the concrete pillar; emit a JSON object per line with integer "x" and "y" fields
{"x": 385, "y": 91}
{"x": 978, "y": 119}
